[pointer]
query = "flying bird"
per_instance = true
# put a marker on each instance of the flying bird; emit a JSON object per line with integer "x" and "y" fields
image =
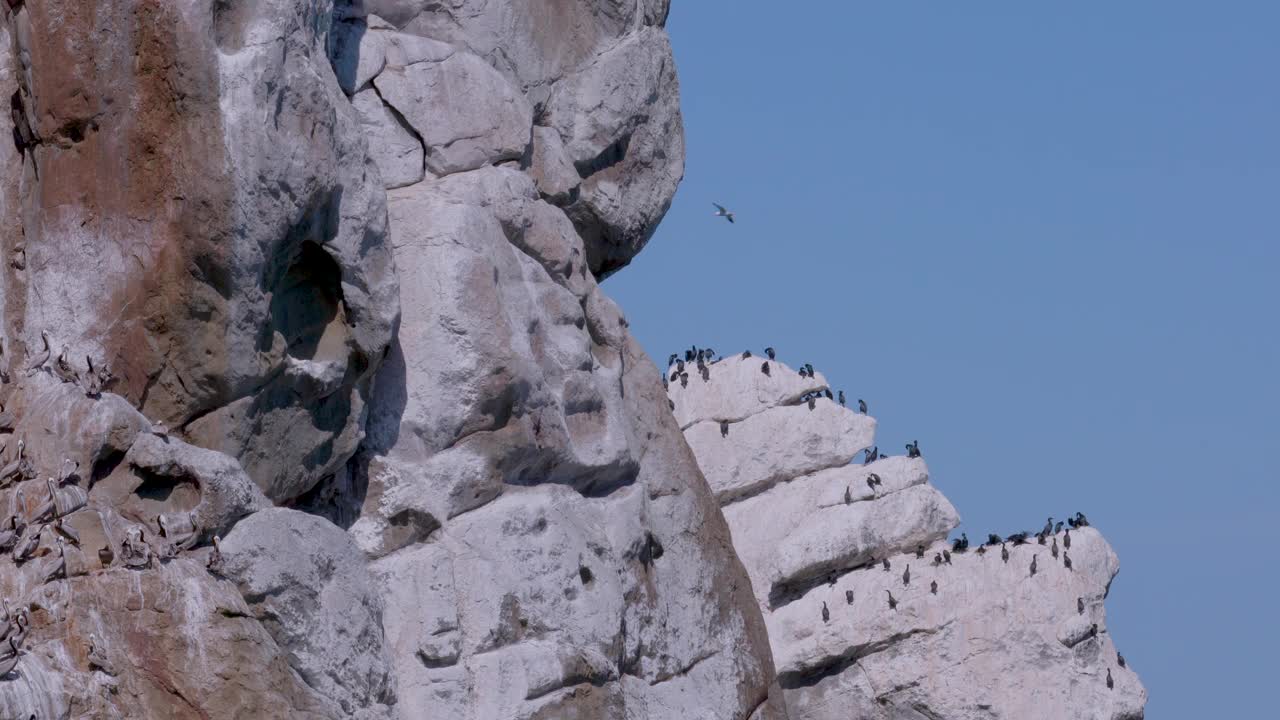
{"x": 722, "y": 212}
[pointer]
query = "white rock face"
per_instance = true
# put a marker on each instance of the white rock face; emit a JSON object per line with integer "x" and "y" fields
{"x": 993, "y": 641}
{"x": 378, "y": 446}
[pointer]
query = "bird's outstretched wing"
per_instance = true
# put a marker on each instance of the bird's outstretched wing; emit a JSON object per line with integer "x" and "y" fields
{"x": 720, "y": 208}
{"x": 729, "y": 217}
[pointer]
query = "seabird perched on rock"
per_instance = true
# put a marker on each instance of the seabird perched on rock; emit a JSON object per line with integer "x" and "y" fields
{"x": 42, "y": 357}
{"x": 1066, "y": 541}
{"x": 746, "y": 354}
{"x": 920, "y": 552}
{"x": 684, "y": 380}
{"x": 872, "y": 454}
{"x": 49, "y": 509}
{"x": 58, "y": 566}
{"x": 946, "y": 557}
{"x": 1080, "y": 606}
{"x": 1004, "y": 553}
{"x": 63, "y": 369}
{"x": 1019, "y": 538}
{"x": 913, "y": 449}
{"x": 1066, "y": 560}
{"x": 12, "y": 468}
{"x": 994, "y": 539}
{"x": 1120, "y": 660}
{"x": 812, "y": 402}
{"x": 840, "y": 396}
{"x": 769, "y": 351}
{"x": 826, "y": 614}
{"x": 10, "y": 660}
{"x": 1034, "y": 558}
{"x": 826, "y": 392}
{"x": 97, "y": 656}
{"x": 893, "y": 604}
{"x": 875, "y": 479}
{"x": 106, "y": 555}
{"x": 66, "y": 531}
{"x": 937, "y": 559}
{"x": 1054, "y": 549}
{"x": 1093, "y": 631}
{"x": 764, "y": 367}
{"x": 885, "y": 563}
{"x": 9, "y": 536}
{"x": 933, "y": 587}
{"x": 1040, "y": 538}
{"x": 7, "y": 420}
{"x": 672, "y": 360}
{"x": 724, "y": 428}
{"x": 1048, "y": 527}
{"x": 848, "y": 597}
{"x": 906, "y": 576}
{"x": 721, "y": 212}
{"x": 848, "y": 495}
{"x": 214, "y": 563}
{"x": 809, "y": 368}
{"x": 1111, "y": 684}
{"x": 862, "y": 406}
{"x": 801, "y": 371}
{"x": 675, "y": 375}
{"x": 982, "y": 550}
{"x": 1081, "y": 520}
{"x": 1057, "y": 528}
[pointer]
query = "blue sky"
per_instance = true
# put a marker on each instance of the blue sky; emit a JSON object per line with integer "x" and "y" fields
{"x": 1043, "y": 239}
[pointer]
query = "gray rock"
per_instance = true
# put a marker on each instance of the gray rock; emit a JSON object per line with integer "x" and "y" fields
{"x": 777, "y": 444}
{"x": 621, "y": 124}
{"x": 305, "y": 580}
{"x": 994, "y": 641}
{"x": 393, "y": 148}
{"x": 550, "y": 168}
{"x": 466, "y": 113}
{"x": 226, "y": 494}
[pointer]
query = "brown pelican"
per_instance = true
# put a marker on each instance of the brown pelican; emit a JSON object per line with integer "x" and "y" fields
{"x": 63, "y": 369}
{"x": 214, "y": 564}
{"x": 9, "y": 536}
{"x": 69, "y": 469}
{"x": 42, "y": 357}
{"x": 721, "y": 212}
{"x": 97, "y": 656}
{"x": 66, "y": 531}
{"x": 11, "y": 660}
{"x": 49, "y": 509}
{"x": 57, "y": 566}
{"x": 11, "y": 469}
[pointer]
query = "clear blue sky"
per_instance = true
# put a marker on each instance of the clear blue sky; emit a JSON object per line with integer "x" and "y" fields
{"x": 1044, "y": 239}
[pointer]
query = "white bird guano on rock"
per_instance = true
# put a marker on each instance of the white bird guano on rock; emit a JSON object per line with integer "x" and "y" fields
{"x": 970, "y": 638}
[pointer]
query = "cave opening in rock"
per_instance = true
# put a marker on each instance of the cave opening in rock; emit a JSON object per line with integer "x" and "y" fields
{"x": 307, "y": 305}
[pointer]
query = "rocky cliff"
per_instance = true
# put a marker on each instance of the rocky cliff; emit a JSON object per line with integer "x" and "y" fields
{"x": 871, "y": 613}
{"x": 312, "y": 405}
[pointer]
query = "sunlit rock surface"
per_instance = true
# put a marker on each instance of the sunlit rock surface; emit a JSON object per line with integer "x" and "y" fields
{"x": 993, "y": 641}
{"x": 374, "y": 443}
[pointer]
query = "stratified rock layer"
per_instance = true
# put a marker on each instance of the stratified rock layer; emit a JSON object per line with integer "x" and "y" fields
{"x": 374, "y": 443}
{"x": 993, "y": 641}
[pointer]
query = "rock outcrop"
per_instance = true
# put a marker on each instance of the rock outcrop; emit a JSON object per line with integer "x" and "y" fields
{"x": 312, "y": 404}
{"x": 968, "y": 635}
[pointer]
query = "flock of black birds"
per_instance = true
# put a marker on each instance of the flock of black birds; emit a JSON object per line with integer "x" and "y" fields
{"x": 960, "y": 545}
{"x": 703, "y": 358}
